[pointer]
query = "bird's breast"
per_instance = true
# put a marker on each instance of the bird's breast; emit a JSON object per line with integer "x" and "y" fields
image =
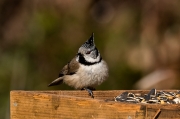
{"x": 91, "y": 75}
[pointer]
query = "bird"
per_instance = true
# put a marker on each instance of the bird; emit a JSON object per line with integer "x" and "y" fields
{"x": 86, "y": 70}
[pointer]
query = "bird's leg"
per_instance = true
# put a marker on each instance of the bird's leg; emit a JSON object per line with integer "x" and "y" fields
{"x": 89, "y": 91}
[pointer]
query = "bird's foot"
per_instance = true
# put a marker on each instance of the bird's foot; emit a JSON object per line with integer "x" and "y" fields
{"x": 89, "y": 90}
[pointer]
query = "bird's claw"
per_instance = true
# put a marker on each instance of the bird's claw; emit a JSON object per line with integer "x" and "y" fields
{"x": 89, "y": 91}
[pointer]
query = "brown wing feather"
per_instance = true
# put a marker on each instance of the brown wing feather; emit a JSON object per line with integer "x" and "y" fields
{"x": 73, "y": 66}
{"x": 68, "y": 69}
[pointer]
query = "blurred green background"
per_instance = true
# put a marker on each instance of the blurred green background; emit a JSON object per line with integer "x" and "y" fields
{"x": 140, "y": 41}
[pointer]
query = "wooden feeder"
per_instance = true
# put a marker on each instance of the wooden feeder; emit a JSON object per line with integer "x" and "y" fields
{"x": 78, "y": 105}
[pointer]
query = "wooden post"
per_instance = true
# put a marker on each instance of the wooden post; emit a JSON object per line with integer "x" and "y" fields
{"x": 77, "y": 104}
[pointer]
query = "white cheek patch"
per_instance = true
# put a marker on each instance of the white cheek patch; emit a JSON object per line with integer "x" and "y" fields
{"x": 92, "y": 60}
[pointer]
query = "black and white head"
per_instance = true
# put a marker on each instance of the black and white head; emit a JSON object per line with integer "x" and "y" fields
{"x": 88, "y": 54}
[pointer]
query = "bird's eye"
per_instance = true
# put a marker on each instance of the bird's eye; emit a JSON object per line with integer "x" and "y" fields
{"x": 88, "y": 52}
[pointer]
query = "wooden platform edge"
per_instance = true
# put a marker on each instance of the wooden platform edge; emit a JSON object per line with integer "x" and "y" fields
{"x": 77, "y": 104}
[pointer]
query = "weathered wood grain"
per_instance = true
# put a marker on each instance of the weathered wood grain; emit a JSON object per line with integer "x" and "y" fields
{"x": 78, "y": 105}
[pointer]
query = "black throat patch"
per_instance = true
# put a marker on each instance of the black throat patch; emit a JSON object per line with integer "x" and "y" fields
{"x": 84, "y": 62}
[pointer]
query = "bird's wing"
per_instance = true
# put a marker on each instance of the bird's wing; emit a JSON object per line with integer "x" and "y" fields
{"x": 68, "y": 69}
{"x": 64, "y": 70}
{"x": 73, "y": 66}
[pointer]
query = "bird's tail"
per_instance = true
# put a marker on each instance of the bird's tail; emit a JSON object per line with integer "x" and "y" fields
{"x": 57, "y": 81}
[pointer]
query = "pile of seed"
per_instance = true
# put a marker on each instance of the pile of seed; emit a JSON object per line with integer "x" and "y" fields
{"x": 160, "y": 97}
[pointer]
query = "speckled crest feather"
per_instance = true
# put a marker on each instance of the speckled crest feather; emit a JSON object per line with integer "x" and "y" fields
{"x": 89, "y": 43}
